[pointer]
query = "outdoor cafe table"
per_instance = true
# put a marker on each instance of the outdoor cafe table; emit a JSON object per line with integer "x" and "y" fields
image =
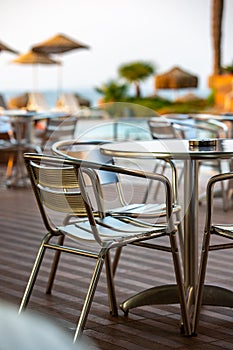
{"x": 179, "y": 149}
{"x": 23, "y": 126}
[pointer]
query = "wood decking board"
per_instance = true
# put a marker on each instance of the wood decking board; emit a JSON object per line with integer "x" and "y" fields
{"x": 148, "y": 327}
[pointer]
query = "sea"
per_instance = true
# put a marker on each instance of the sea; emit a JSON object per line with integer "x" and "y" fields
{"x": 51, "y": 96}
{"x": 93, "y": 97}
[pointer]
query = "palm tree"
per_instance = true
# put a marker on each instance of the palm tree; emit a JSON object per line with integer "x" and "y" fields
{"x": 217, "y": 14}
{"x": 112, "y": 91}
{"x": 135, "y": 72}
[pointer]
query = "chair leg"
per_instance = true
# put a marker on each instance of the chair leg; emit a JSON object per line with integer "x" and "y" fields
{"x": 54, "y": 266}
{"x": 223, "y": 189}
{"x": 201, "y": 280}
{"x": 181, "y": 176}
{"x": 10, "y": 164}
{"x": 89, "y": 296}
{"x": 224, "y": 193}
{"x": 178, "y": 273}
{"x": 111, "y": 288}
{"x": 34, "y": 273}
{"x": 116, "y": 260}
{"x": 158, "y": 185}
{"x": 180, "y": 234}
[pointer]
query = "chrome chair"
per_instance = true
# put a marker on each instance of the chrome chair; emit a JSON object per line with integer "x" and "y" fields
{"x": 16, "y": 144}
{"x": 199, "y": 126}
{"x": 8, "y": 154}
{"x": 6, "y": 147}
{"x": 225, "y": 231}
{"x": 57, "y": 129}
{"x": 162, "y": 129}
{"x": 62, "y": 187}
{"x": 206, "y": 127}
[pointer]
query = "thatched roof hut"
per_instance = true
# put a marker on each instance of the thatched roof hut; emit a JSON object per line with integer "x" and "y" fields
{"x": 176, "y": 78}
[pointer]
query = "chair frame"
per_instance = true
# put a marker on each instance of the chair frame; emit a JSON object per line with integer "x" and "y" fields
{"x": 210, "y": 230}
{"x": 57, "y": 128}
{"x": 220, "y": 130}
{"x": 67, "y": 168}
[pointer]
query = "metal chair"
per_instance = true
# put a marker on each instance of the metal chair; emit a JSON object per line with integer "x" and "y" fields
{"x": 225, "y": 231}
{"x": 5, "y": 144}
{"x": 62, "y": 186}
{"x": 204, "y": 126}
{"x": 16, "y": 143}
{"x": 162, "y": 129}
{"x": 193, "y": 126}
{"x": 8, "y": 150}
{"x": 57, "y": 129}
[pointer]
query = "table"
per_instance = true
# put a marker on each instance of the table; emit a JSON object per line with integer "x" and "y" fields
{"x": 179, "y": 149}
{"x": 22, "y": 122}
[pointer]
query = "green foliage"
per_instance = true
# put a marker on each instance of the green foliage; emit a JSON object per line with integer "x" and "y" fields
{"x": 113, "y": 91}
{"x": 152, "y": 103}
{"x": 136, "y": 71}
{"x": 210, "y": 98}
{"x": 228, "y": 69}
{"x": 163, "y": 106}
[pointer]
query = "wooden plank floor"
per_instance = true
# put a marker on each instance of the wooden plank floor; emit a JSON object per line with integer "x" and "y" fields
{"x": 149, "y": 327}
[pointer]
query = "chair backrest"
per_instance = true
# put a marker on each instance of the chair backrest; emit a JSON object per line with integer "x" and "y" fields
{"x": 205, "y": 127}
{"x": 59, "y": 187}
{"x": 3, "y": 103}
{"x": 59, "y": 128}
{"x": 86, "y": 150}
{"x": 162, "y": 129}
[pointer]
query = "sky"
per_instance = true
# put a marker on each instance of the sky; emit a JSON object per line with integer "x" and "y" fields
{"x": 166, "y": 33}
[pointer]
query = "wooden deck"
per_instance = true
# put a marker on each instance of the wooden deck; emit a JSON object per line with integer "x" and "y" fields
{"x": 149, "y": 327}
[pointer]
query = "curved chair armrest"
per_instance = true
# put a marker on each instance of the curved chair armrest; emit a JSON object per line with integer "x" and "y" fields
{"x": 210, "y": 193}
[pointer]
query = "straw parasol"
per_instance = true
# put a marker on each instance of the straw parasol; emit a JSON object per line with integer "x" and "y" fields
{"x": 31, "y": 57}
{"x": 35, "y": 59}
{"x": 4, "y": 47}
{"x": 59, "y": 44}
{"x": 176, "y": 78}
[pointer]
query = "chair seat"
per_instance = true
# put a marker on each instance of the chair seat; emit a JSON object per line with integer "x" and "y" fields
{"x": 110, "y": 228}
{"x": 223, "y": 230}
{"x": 144, "y": 210}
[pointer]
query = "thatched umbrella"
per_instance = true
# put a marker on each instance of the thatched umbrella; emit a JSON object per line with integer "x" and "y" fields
{"x": 176, "y": 78}
{"x": 58, "y": 44}
{"x": 31, "y": 57}
{"x": 4, "y": 47}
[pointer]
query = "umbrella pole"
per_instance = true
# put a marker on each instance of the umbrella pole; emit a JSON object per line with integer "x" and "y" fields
{"x": 59, "y": 80}
{"x": 34, "y": 78}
